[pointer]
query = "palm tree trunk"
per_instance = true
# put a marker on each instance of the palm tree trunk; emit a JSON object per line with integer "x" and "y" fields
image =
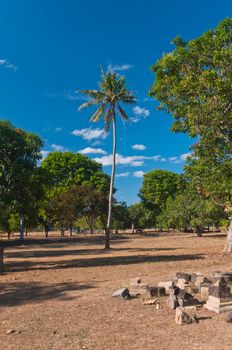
{"x": 109, "y": 219}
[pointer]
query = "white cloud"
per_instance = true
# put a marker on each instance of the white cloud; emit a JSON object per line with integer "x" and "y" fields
{"x": 90, "y": 134}
{"x": 44, "y": 154}
{"x": 128, "y": 160}
{"x": 68, "y": 95}
{"x": 58, "y": 148}
{"x": 137, "y": 163}
{"x": 139, "y": 113}
{"x": 123, "y": 174}
{"x": 96, "y": 143}
{"x": 119, "y": 67}
{"x": 138, "y": 173}
{"x": 58, "y": 129}
{"x": 184, "y": 156}
{"x": 90, "y": 150}
{"x": 172, "y": 158}
{"x": 5, "y": 63}
{"x": 139, "y": 147}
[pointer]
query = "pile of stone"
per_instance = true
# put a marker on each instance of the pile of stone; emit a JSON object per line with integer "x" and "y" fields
{"x": 220, "y": 293}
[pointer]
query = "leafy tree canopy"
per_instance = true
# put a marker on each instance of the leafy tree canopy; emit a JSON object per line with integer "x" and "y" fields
{"x": 194, "y": 84}
{"x": 158, "y": 186}
{"x": 66, "y": 169}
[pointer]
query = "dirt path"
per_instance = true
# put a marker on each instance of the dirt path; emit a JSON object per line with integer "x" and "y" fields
{"x": 57, "y": 296}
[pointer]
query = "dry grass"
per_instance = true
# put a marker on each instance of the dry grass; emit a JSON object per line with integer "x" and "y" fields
{"x": 58, "y": 294}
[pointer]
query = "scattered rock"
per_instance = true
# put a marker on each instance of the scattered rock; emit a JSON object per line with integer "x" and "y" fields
{"x": 121, "y": 293}
{"x": 186, "y": 315}
{"x": 150, "y": 302}
{"x": 10, "y": 331}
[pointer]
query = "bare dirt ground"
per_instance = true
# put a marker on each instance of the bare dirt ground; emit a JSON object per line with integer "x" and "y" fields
{"x": 57, "y": 295}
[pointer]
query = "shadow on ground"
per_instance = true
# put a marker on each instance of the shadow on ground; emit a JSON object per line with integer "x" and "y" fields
{"x": 17, "y": 293}
{"x": 95, "y": 262}
{"x": 19, "y": 254}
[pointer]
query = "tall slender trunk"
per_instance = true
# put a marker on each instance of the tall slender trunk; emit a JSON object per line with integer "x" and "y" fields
{"x": 109, "y": 219}
{"x": 228, "y": 245}
{"x": 21, "y": 222}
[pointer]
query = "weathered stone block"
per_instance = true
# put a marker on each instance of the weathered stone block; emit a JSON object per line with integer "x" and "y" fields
{"x": 121, "y": 293}
{"x": 186, "y": 315}
{"x": 155, "y": 291}
{"x": 172, "y": 302}
{"x": 167, "y": 285}
{"x": 220, "y": 290}
{"x": 181, "y": 283}
{"x": 217, "y": 305}
{"x": 204, "y": 290}
{"x": 185, "y": 276}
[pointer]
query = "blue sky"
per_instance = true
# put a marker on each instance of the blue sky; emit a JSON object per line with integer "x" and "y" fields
{"x": 49, "y": 49}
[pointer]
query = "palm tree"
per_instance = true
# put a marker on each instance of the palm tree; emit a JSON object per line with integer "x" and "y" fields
{"x": 112, "y": 92}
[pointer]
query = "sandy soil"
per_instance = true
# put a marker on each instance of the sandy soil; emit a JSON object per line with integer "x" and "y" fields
{"x": 57, "y": 295}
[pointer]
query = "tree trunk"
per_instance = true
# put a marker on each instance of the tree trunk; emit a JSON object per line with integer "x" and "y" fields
{"x": 109, "y": 219}
{"x": 228, "y": 245}
{"x": 70, "y": 230}
{"x": 21, "y": 222}
{"x": 133, "y": 227}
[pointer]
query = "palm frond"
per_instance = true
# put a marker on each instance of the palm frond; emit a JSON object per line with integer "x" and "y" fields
{"x": 122, "y": 113}
{"x": 108, "y": 118}
{"x": 99, "y": 112}
{"x": 96, "y": 94}
{"x": 88, "y": 104}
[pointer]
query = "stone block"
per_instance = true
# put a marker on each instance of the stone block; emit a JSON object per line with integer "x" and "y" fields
{"x": 186, "y": 315}
{"x": 167, "y": 285}
{"x": 185, "y": 276}
{"x": 121, "y": 293}
{"x": 155, "y": 291}
{"x": 181, "y": 283}
{"x": 218, "y": 305}
{"x": 172, "y": 302}
{"x": 220, "y": 290}
{"x": 204, "y": 290}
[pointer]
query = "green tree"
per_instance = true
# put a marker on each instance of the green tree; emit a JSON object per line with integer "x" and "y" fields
{"x": 109, "y": 97}
{"x": 158, "y": 186}
{"x": 20, "y": 178}
{"x": 194, "y": 84}
{"x": 66, "y": 169}
{"x": 141, "y": 216}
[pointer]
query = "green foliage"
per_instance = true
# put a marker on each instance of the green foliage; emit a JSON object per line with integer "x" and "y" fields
{"x": 158, "y": 186}
{"x": 66, "y": 169}
{"x": 190, "y": 210}
{"x": 121, "y": 219}
{"x": 20, "y": 179}
{"x": 194, "y": 84}
{"x": 76, "y": 203}
{"x": 141, "y": 216}
{"x": 112, "y": 92}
